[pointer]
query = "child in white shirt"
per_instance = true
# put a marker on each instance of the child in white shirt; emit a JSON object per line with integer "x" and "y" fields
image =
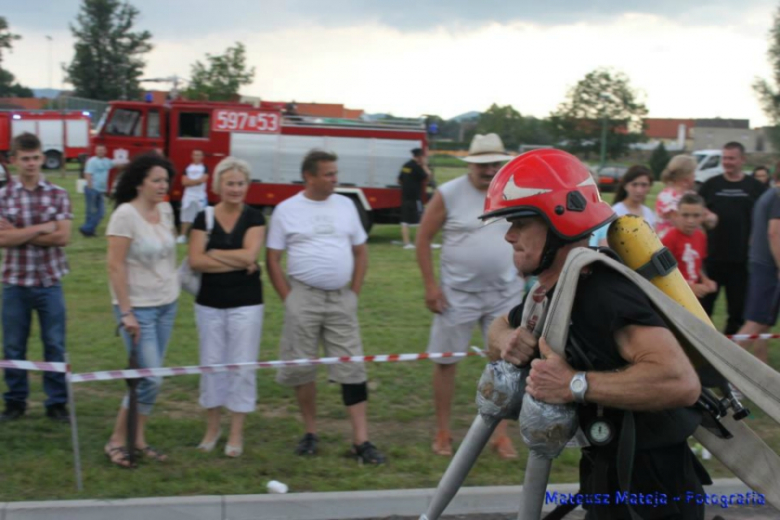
{"x": 194, "y": 199}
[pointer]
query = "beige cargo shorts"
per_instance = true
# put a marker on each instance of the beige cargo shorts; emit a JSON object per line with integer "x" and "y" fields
{"x": 312, "y": 316}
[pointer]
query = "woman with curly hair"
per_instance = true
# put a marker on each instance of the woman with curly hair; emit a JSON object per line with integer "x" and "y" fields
{"x": 144, "y": 285}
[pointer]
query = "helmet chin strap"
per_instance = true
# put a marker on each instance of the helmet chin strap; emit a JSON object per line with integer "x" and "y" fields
{"x": 551, "y": 246}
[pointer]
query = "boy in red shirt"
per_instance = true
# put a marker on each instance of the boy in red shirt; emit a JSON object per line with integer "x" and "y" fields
{"x": 688, "y": 244}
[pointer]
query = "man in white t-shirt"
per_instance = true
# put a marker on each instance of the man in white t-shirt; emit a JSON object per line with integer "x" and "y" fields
{"x": 194, "y": 199}
{"x": 327, "y": 260}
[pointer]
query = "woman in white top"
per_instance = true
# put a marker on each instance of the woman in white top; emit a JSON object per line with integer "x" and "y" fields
{"x": 629, "y": 200}
{"x": 144, "y": 285}
{"x": 632, "y": 192}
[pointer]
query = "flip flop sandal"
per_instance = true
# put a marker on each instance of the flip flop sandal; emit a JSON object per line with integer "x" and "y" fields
{"x": 118, "y": 455}
{"x": 152, "y": 452}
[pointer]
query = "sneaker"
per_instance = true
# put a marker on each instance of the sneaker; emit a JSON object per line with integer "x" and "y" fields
{"x": 85, "y": 234}
{"x": 307, "y": 445}
{"x": 367, "y": 453}
{"x": 442, "y": 444}
{"x": 409, "y": 246}
{"x": 181, "y": 240}
{"x": 11, "y": 414}
{"x": 58, "y": 413}
{"x": 504, "y": 448}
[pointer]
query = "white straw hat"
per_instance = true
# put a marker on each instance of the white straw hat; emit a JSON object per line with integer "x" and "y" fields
{"x": 486, "y": 149}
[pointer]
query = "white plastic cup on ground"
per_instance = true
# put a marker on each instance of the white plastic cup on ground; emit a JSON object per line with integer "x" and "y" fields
{"x": 274, "y": 486}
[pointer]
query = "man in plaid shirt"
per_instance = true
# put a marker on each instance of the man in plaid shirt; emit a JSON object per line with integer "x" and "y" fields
{"x": 35, "y": 218}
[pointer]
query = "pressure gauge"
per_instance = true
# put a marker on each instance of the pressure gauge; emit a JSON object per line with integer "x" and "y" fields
{"x": 600, "y": 432}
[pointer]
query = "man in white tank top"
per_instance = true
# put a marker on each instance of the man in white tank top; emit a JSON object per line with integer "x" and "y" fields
{"x": 478, "y": 283}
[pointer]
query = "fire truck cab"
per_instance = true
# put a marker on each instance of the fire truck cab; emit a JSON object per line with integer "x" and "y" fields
{"x": 371, "y": 154}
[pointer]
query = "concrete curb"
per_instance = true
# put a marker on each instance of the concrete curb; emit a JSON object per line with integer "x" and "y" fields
{"x": 295, "y": 506}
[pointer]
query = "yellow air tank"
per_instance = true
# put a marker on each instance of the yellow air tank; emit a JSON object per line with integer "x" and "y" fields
{"x": 636, "y": 243}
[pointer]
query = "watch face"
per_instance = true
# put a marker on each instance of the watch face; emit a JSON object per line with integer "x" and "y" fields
{"x": 600, "y": 432}
{"x": 578, "y": 385}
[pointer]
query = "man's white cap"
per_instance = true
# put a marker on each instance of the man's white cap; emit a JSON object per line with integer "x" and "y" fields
{"x": 487, "y": 149}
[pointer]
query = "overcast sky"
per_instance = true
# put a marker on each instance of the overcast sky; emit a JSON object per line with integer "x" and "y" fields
{"x": 409, "y": 57}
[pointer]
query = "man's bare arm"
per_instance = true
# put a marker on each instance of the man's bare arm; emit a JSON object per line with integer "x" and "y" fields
{"x": 361, "y": 266}
{"x": 187, "y": 182}
{"x": 773, "y": 235}
{"x": 273, "y": 264}
{"x": 14, "y": 237}
{"x": 59, "y": 238}
{"x": 659, "y": 375}
{"x": 432, "y": 221}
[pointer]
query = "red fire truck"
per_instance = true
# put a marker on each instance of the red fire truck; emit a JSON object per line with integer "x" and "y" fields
{"x": 63, "y": 134}
{"x": 370, "y": 153}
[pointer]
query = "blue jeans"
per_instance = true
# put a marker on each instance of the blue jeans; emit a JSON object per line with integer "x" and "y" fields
{"x": 96, "y": 208}
{"x": 18, "y": 305}
{"x": 156, "y": 325}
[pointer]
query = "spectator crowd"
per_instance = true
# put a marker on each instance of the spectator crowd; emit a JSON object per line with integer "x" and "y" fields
{"x": 724, "y": 235}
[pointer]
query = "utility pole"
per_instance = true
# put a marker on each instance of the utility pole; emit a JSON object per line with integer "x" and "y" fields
{"x": 50, "y": 60}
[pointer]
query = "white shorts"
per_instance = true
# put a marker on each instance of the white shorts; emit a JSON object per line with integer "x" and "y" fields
{"x": 229, "y": 336}
{"x": 451, "y": 330}
{"x": 190, "y": 209}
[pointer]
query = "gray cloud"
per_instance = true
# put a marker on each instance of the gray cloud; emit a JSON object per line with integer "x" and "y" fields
{"x": 181, "y": 18}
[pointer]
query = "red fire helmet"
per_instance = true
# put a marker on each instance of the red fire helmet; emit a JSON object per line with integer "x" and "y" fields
{"x": 551, "y": 184}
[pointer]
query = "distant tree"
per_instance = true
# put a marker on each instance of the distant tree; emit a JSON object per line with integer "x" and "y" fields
{"x": 504, "y": 121}
{"x": 109, "y": 57}
{"x": 535, "y": 131}
{"x": 769, "y": 94}
{"x": 659, "y": 159}
{"x": 7, "y": 38}
{"x": 220, "y": 78}
{"x": 602, "y": 97}
{"x": 8, "y": 86}
{"x": 513, "y": 128}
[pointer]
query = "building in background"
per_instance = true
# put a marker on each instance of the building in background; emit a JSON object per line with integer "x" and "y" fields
{"x": 711, "y": 134}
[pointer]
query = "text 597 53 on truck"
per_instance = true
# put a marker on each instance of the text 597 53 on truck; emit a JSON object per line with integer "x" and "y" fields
{"x": 370, "y": 153}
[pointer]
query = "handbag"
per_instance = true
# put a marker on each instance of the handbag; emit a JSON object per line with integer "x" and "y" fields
{"x": 188, "y": 278}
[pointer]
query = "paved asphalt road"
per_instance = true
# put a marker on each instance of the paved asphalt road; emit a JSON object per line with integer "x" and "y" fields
{"x": 766, "y": 512}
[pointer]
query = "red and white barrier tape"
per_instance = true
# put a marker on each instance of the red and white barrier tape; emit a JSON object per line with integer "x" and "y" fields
{"x": 743, "y": 337}
{"x": 212, "y": 369}
{"x": 39, "y": 366}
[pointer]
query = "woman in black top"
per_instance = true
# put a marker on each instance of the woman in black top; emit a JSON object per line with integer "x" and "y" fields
{"x": 229, "y": 305}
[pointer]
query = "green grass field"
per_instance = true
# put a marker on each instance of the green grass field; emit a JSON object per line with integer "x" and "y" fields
{"x": 37, "y": 460}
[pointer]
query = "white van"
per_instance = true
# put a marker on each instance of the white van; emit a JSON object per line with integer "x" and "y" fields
{"x": 708, "y": 164}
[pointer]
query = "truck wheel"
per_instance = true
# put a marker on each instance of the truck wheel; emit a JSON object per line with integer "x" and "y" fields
{"x": 53, "y": 160}
{"x": 366, "y": 217}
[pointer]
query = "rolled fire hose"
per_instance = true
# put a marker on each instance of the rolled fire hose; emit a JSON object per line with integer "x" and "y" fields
{"x": 499, "y": 396}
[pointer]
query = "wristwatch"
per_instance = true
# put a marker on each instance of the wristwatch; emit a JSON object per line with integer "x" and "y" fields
{"x": 578, "y": 387}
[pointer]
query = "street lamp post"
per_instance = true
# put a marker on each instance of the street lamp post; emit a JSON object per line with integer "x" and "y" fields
{"x": 50, "y": 60}
{"x": 603, "y": 140}
{"x": 604, "y": 96}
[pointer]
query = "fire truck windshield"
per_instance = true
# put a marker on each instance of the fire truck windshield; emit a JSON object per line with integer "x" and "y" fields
{"x": 123, "y": 121}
